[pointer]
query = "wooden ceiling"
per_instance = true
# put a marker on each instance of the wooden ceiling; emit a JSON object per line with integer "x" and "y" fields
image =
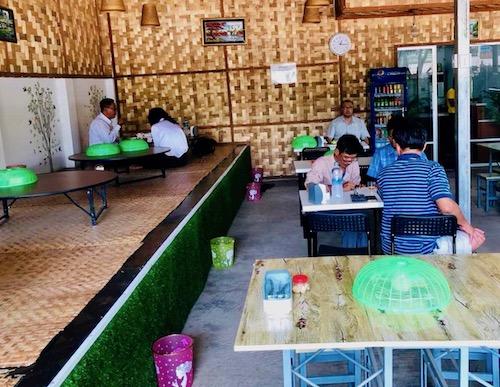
{"x": 343, "y": 11}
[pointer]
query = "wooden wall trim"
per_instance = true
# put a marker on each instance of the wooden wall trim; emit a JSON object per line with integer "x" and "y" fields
{"x": 342, "y": 12}
{"x": 4, "y": 74}
{"x": 216, "y": 70}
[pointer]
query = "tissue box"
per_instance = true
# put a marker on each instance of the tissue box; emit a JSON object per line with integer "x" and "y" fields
{"x": 277, "y": 292}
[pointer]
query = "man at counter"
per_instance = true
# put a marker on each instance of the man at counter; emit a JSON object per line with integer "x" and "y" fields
{"x": 345, "y": 154}
{"x": 347, "y": 123}
{"x": 102, "y": 130}
{"x": 414, "y": 186}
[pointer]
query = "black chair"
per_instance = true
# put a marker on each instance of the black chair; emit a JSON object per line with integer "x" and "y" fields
{"x": 333, "y": 221}
{"x": 438, "y": 225}
{"x": 313, "y": 153}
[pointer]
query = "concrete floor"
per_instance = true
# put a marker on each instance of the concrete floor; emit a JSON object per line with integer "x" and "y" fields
{"x": 270, "y": 229}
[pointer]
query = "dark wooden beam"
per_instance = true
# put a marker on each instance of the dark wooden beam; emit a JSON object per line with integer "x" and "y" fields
{"x": 343, "y": 12}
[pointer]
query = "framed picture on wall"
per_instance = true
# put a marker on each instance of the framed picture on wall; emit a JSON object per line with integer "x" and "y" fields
{"x": 7, "y": 25}
{"x": 223, "y": 31}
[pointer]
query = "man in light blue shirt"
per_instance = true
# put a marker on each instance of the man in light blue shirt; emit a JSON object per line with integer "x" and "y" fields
{"x": 347, "y": 123}
{"x": 387, "y": 154}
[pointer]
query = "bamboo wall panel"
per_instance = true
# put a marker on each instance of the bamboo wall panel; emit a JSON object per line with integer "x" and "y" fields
{"x": 201, "y": 98}
{"x": 275, "y": 34}
{"x": 271, "y": 144}
{"x": 375, "y": 3}
{"x": 256, "y": 100}
{"x": 53, "y": 38}
{"x": 81, "y": 38}
{"x": 174, "y": 46}
{"x": 222, "y": 134}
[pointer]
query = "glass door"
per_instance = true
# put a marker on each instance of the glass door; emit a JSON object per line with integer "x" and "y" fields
{"x": 422, "y": 91}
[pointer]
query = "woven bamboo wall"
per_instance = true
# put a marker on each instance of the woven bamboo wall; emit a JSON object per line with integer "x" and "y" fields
{"x": 54, "y": 37}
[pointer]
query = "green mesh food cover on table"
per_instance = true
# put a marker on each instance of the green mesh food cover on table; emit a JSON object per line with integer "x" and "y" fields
{"x": 15, "y": 177}
{"x": 103, "y": 150}
{"x": 401, "y": 284}
{"x": 133, "y": 145}
{"x": 301, "y": 142}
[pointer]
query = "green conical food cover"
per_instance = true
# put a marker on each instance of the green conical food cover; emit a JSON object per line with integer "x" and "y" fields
{"x": 328, "y": 153}
{"x": 402, "y": 285}
{"x": 15, "y": 177}
{"x": 103, "y": 150}
{"x": 301, "y": 142}
{"x": 133, "y": 145}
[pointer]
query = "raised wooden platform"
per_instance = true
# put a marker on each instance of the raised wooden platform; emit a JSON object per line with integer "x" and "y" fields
{"x": 52, "y": 263}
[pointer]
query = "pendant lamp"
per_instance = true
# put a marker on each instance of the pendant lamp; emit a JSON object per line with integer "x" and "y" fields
{"x": 112, "y": 5}
{"x": 149, "y": 15}
{"x": 311, "y": 15}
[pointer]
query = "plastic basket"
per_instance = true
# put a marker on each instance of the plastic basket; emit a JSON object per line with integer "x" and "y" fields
{"x": 222, "y": 252}
{"x": 16, "y": 177}
{"x": 133, "y": 145}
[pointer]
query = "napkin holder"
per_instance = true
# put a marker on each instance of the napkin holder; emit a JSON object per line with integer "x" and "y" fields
{"x": 277, "y": 292}
{"x": 318, "y": 193}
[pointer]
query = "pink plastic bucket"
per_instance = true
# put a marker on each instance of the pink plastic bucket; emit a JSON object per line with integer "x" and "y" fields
{"x": 173, "y": 356}
{"x": 257, "y": 174}
{"x": 253, "y": 192}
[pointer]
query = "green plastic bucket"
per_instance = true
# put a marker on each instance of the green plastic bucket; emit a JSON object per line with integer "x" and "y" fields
{"x": 102, "y": 150}
{"x": 222, "y": 252}
{"x": 133, "y": 145}
{"x": 15, "y": 177}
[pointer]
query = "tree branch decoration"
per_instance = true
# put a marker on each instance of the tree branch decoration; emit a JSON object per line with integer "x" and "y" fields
{"x": 42, "y": 123}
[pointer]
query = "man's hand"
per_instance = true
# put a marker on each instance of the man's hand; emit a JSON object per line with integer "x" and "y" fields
{"x": 476, "y": 235}
{"x": 348, "y": 186}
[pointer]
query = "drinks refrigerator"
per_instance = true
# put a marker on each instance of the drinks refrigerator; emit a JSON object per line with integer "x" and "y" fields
{"x": 388, "y": 96}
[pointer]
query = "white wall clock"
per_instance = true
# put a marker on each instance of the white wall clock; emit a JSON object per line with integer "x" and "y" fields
{"x": 340, "y": 44}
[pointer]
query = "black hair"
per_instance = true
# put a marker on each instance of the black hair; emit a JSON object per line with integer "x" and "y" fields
{"x": 396, "y": 121}
{"x": 409, "y": 134}
{"x": 346, "y": 101}
{"x": 349, "y": 144}
{"x": 106, "y": 102}
{"x": 156, "y": 114}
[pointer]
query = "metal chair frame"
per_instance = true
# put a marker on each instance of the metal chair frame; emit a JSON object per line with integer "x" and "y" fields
{"x": 413, "y": 225}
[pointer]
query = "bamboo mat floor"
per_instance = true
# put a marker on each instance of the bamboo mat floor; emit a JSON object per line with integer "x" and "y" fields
{"x": 52, "y": 261}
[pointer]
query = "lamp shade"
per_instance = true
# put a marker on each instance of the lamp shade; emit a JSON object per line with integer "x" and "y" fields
{"x": 318, "y": 3}
{"x": 311, "y": 15}
{"x": 112, "y": 5}
{"x": 149, "y": 15}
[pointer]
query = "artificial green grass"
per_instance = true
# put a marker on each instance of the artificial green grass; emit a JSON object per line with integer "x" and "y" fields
{"x": 160, "y": 304}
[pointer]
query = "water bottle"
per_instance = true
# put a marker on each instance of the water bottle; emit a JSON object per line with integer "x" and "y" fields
{"x": 337, "y": 189}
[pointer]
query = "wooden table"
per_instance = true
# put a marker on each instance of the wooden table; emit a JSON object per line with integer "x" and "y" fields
{"x": 124, "y": 159}
{"x": 492, "y": 147}
{"x": 335, "y": 320}
{"x": 93, "y": 182}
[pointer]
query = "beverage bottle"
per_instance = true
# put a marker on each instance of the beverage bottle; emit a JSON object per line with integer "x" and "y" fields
{"x": 337, "y": 189}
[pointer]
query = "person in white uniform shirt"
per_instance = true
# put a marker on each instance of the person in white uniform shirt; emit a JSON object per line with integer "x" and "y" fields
{"x": 102, "y": 130}
{"x": 167, "y": 133}
{"x": 347, "y": 123}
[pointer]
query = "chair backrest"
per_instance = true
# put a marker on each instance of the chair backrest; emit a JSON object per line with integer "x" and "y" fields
{"x": 327, "y": 221}
{"x": 411, "y": 225}
{"x": 313, "y": 153}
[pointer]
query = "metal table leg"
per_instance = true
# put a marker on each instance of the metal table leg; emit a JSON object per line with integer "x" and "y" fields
{"x": 91, "y": 212}
{"x": 287, "y": 368}
{"x": 388, "y": 367}
{"x": 463, "y": 377}
{"x": 5, "y": 205}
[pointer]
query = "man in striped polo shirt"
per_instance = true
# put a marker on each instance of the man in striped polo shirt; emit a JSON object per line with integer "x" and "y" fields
{"x": 414, "y": 186}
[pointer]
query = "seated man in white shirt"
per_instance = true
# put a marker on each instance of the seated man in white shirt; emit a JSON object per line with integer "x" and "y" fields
{"x": 102, "y": 130}
{"x": 167, "y": 133}
{"x": 347, "y": 123}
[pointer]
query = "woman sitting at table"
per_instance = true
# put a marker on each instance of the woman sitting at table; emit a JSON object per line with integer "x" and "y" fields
{"x": 345, "y": 155}
{"x": 167, "y": 133}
